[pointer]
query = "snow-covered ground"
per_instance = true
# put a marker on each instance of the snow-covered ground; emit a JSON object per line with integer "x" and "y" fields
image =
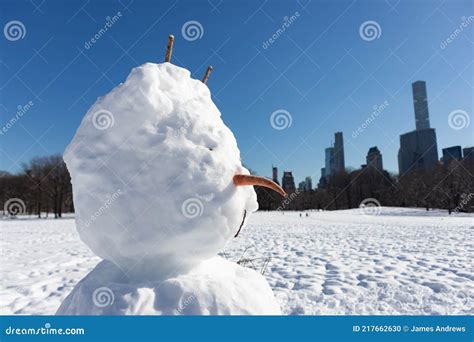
{"x": 401, "y": 261}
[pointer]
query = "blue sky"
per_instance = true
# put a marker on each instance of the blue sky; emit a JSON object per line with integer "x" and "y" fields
{"x": 319, "y": 70}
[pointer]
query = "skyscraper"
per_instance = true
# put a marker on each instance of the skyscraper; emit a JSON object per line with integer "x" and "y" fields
{"x": 329, "y": 161}
{"x": 288, "y": 182}
{"x": 420, "y": 104}
{"x": 334, "y": 157}
{"x": 308, "y": 184}
{"x": 275, "y": 174}
{"x": 302, "y": 186}
{"x": 450, "y": 153}
{"x": 418, "y": 148}
{"x": 339, "y": 164}
{"x": 468, "y": 153}
{"x": 374, "y": 159}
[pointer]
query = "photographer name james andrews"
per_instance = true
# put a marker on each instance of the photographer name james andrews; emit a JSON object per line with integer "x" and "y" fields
{"x": 438, "y": 328}
{"x": 406, "y": 328}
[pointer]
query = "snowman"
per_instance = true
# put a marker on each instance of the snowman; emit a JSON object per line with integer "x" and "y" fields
{"x": 159, "y": 189}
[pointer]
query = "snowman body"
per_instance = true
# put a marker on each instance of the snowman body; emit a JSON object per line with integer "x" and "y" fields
{"x": 152, "y": 165}
{"x": 215, "y": 287}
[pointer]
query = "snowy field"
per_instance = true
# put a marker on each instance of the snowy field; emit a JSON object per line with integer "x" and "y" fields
{"x": 403, "y": 261}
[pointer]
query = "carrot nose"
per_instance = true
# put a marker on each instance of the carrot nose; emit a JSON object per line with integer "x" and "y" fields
{"x": 240, "y": 180}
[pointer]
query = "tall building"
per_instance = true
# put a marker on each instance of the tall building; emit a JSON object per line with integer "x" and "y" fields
{"x": 302, "y": 186}
{"x": 468, "y": 152}
{"x": 420, "y": 104}
{"x": 323, "y": 180}
{"x": 334, "y": 156}
{"x": 374, "y": 159}
{"x": 339, "y": 164}
{"x": 329, "y": 161}
{"x": 418, "y": 149}
{"x": 275, "y": 174}
{"x": 288, "y": 182}
{"x": 450, "y": 153}
{"x": 308, "y": 184}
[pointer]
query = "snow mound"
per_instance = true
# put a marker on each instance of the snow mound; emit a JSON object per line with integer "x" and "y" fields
{"x": 215, "y": 287}
{"x": 152, "y": 165}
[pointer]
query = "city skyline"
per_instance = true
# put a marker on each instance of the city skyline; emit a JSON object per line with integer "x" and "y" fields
{"x": 418, "y": 149}
{"x": 322, "y": 71}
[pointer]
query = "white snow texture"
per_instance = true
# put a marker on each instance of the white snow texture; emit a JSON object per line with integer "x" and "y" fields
{"x": 215, "y": 287}
{"x": 152, "y": 166}
{"x": 400, "y": 262}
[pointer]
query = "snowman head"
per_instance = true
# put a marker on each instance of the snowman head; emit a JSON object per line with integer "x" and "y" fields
{"x": 157, "y": 177}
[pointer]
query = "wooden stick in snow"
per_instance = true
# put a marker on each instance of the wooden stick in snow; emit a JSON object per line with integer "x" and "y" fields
{"x": 169, "y": 48}
{"x": 208, "y": 73}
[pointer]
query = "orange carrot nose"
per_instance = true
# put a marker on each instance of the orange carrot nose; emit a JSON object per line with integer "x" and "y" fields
{"x": 240, "y": 180}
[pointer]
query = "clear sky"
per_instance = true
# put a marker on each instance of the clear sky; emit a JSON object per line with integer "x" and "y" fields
{"x": 320, "y": 67}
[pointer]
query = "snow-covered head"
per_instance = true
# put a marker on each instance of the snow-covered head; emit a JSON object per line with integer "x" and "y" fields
{"x": 152, "y": 167}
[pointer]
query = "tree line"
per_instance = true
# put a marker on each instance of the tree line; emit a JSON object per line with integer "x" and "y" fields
{"x": 449, "y": 187}
{"x": 43, "y": 187}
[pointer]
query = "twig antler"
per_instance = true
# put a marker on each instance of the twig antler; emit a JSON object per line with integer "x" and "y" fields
{"x": 169, "y": 48}
{"x": 207, "y": 74}
{"x": 169, "y": 52}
